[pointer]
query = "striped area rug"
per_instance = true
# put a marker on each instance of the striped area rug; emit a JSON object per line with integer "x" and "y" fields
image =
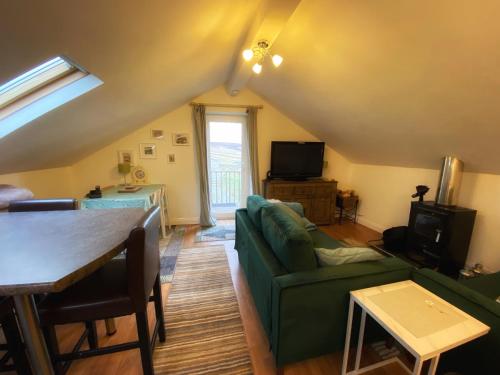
{"x": 204, "y": 330}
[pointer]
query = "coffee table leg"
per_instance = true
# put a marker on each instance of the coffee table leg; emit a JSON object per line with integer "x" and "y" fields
{"x": 418, "y": 366}
{"x": 347, "y": 337}
{"x": 35, "y": 343}
{"x": 360, "y": 339}
{"x": 433, "y": 366}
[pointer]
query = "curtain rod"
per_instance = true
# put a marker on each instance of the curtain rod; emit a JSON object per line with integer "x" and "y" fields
{"x": 228, "y": 105}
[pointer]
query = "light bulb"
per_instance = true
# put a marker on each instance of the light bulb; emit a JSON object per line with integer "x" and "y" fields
{"x": 247, "y": 54}
{"x": 257, "y": 68}
{"x": 277, "y": 60}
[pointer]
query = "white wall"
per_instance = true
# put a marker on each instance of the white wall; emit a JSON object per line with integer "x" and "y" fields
{"x": 385, "y": 201}
{"x": 385, "y": 191}
{"x": 181, "y": 177}
{"x": 44, "y": 183}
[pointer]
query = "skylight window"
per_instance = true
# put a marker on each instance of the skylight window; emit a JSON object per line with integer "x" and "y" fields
{"x": 34, "y": 79}
{"x": 40, "y": 90}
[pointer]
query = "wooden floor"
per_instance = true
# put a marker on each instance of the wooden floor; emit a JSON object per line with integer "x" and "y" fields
{"x": 128, "y": 363}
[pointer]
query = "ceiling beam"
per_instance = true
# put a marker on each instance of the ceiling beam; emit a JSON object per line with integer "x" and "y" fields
{"x": 270, "y": 19}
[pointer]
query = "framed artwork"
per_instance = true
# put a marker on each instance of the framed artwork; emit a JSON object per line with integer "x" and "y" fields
{"x": 157, "y": 134}
{"x": 171, "y": 158}
{"x": 181, "y": 139}
{"x": 148, "y": 150}
{"x": 126, "y": 156}
{"x": 139, "y": 175}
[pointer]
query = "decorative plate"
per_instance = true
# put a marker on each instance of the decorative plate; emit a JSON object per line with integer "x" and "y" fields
{"x": 139, "y": 175}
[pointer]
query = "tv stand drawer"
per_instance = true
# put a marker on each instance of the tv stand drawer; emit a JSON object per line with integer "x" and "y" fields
{"x": 317, "y": 197}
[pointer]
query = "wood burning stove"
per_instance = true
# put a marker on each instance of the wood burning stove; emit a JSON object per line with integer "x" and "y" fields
{"x": 439, "y": 236}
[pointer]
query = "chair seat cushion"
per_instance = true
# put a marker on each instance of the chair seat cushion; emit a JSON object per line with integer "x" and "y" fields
{"x": 102, "y": 295}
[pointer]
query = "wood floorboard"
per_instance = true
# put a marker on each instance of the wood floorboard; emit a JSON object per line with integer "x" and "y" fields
{"x": 129, "y": 363}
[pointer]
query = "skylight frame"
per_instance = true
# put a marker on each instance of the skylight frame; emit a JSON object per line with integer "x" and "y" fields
{"x": 36, "y": 79}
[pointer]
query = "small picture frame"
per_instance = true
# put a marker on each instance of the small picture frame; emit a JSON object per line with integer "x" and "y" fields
{"x": 126, "y": 156}
{"x": 157, "y": 134}
{"x": 181, "y": 139}
{"x": 148, "y": 150}
{"x": 171, "y": 158}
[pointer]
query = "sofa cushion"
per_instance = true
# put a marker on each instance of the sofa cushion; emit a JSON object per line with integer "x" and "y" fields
{"x": 321, "y": 239}
{"x": 296, "y": 206}
{"x": 344, "y": 255}
{"x": 288, "y": 239}
{"x": 254, "y": 206}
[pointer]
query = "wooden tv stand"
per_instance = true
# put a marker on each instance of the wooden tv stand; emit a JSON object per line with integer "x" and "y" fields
{"x": 317, "y": 197}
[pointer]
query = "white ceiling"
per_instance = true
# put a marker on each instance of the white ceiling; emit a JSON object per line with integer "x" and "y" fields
{"x": 383, "y": 82}
{"x": 153, "y": 56}
{"x": 394, "y": 82}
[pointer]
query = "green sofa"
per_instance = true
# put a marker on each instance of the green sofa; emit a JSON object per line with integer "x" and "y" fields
{"x": 304, "y": 311}
{"x": 481, "y": 355}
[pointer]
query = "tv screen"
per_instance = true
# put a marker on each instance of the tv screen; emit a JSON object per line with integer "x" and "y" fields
{"x": 296, "y": 160}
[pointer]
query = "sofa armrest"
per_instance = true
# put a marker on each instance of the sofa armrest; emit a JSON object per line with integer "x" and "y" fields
{"x": 481, "y": 308}
{"x": 309, "y": 309}
{"x": 427, "y": 278}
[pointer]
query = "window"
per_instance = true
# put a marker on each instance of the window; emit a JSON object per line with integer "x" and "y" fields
{"x": 40, "y": 90}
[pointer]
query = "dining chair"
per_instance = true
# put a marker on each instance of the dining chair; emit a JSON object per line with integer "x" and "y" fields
{"x": 60, "y": 204}
{"x": 123, "y": 286}
{"x": 14, "y": 357}
{"x": 43, "y": 205}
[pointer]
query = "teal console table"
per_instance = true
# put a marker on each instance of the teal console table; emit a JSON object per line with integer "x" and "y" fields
{"x": 145, "y": 198}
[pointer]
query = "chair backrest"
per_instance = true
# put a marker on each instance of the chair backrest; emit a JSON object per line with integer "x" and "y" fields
{"x": 6, "y": 306}
{"x": 43, "y": 205}
{"x": 143, "y": 258}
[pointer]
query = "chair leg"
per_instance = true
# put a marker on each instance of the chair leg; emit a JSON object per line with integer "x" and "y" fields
{"x": 144, "y": 342}
{"x": 15, "y": 345}
{"x": 92, "y": 334}
{"x": 49, "y": 332}
{"x": 159, "y": 308}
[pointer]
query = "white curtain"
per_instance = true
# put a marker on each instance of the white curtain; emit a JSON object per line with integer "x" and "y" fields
{"x": 253, "y": 152}
{"x": 201, "y": 144}
{"x": 246, "y": 178}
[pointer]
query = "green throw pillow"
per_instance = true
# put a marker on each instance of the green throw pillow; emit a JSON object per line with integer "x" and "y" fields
{"x": 254, "y": 206}
{"x": 288, "y": 239}
{"x": 344, "y": 255}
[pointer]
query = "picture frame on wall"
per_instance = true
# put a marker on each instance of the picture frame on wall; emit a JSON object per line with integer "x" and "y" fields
{"x": 126, "y": 156}
{"x": 181, "y": 139}
{"x": 147, "y": 150}
{"x": 171, "y": 158}
{"x": 157, "y": 134}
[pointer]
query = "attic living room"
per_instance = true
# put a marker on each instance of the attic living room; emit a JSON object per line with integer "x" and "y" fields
{"x": 249, "y": 187}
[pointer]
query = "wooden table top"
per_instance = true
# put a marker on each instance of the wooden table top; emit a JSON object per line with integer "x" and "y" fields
{"x": 421, "y": 321}
{"x": 48, "y": 251}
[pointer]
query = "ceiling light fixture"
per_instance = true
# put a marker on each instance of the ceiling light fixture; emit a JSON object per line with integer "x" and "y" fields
{"x": 257, "y": 68}
{"x": 259, "y": 53}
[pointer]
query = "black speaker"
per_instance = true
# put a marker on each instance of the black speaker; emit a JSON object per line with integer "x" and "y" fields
{"x": 395, "y": 239}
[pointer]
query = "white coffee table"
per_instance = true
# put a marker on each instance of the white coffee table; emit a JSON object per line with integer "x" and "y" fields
{"x": 422, "y": 322}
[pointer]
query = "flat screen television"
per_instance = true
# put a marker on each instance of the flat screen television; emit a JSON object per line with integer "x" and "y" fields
{"x": 296, "y": 160}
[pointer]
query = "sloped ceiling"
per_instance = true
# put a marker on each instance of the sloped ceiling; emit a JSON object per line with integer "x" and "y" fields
{"x": 383, "y": 82}
{"x": 393, "y": 82}
{"x": 152, "y": 55}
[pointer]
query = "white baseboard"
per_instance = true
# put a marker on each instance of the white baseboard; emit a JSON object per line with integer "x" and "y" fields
{"x": 371, "y": 224}
{"x": 184, "y": 220}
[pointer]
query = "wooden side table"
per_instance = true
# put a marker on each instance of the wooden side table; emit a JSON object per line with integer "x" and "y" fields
{"x": 422, "y": 322}
{"x": 348, "y": 207}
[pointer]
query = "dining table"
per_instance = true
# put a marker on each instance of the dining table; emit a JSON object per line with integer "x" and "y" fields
{"x": 47, "y": 251}
{"x": 142, "y": 196}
